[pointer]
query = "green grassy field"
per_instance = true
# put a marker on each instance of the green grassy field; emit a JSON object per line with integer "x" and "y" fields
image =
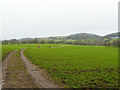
{"x": 78, "y": 66}
{"x": 75, "y": 66}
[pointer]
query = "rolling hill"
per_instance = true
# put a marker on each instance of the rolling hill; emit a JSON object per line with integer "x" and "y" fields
{"x": 78, "y": 36}
{"x": 81, "y": 36}
{"x": 112, "y": 35}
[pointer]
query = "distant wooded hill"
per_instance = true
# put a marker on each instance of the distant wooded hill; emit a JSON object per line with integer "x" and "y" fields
{"x": 78, "y": 36}
{"x": 112, "y": 35}
{"x": 74, "y": 39}
{"x": 81, "y": 36}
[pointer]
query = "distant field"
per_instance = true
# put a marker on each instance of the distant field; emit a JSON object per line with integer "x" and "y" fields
{"x": 69, "y": 40}
{"x": 10, "y": 47}
{"x": 78, "y": 66}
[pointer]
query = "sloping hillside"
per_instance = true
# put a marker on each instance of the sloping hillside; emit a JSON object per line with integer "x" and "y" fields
{"x": 113, "y": 35}
{"x": 78, "y": 36}
{"x": 25, "y": 39}
{"x": 83, "y": 36}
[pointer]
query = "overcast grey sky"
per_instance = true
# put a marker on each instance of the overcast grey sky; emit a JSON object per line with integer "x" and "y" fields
{"x": 41, "y": 18}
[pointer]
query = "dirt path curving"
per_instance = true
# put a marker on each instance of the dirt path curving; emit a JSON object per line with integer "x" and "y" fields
{"x": 19, "y": 72}
{"x": 64, "y": 45}
{"x": 14, "y": 72}
{"x": 61, "y": 46}
{"x": 37, "y": 74}
{"x": 5, "y": 65}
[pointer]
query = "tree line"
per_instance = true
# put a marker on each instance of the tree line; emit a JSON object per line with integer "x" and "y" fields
{"x": 89, "y": 42}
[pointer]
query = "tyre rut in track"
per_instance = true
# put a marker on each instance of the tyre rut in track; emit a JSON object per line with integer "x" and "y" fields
{"x": 15, "y": 74}
{"x": 37, "y": 74}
